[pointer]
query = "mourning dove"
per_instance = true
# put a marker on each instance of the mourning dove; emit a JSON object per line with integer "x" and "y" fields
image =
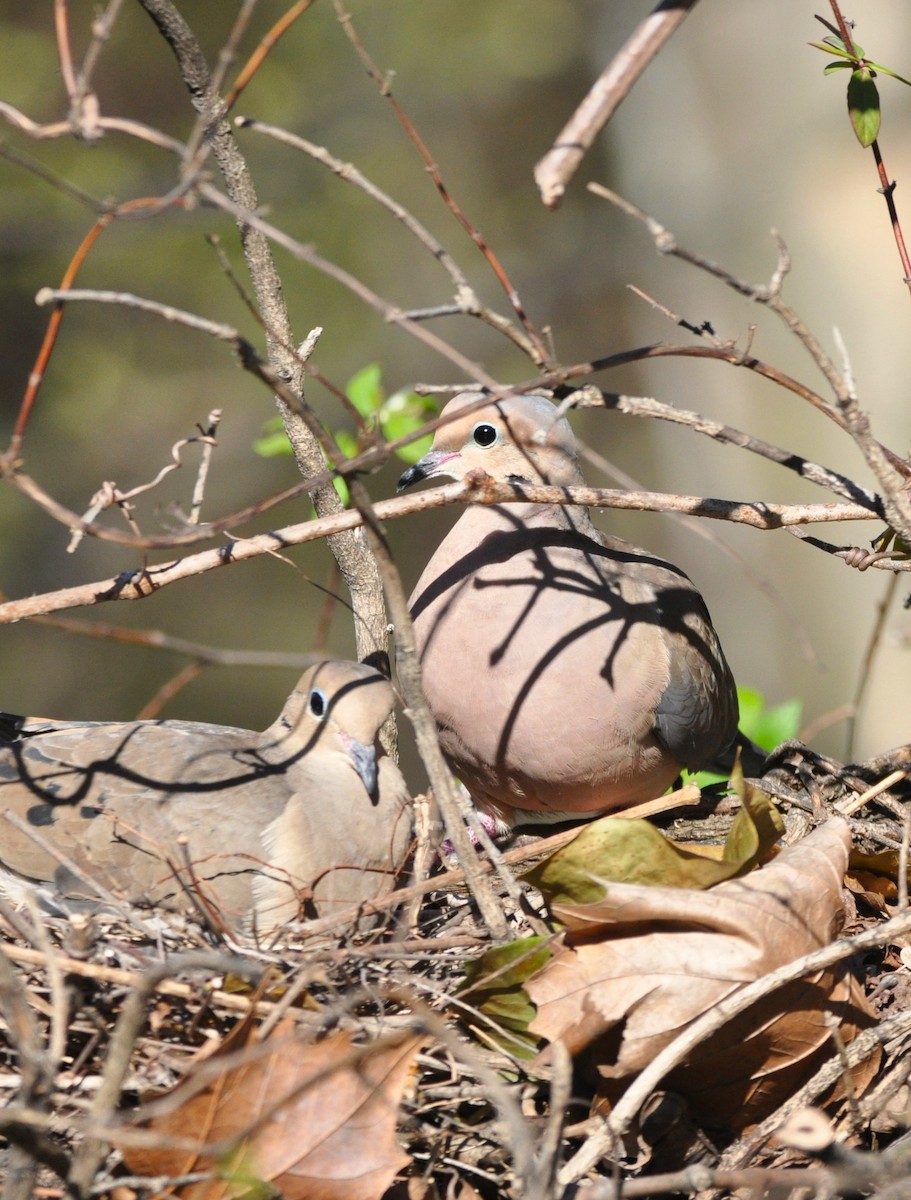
{"x": 267, "y": 817}
{"x": 569, "y": 672}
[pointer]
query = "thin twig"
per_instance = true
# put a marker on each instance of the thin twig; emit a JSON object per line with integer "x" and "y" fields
{"x": 91, "y": 1152}
{"x": 538, "y": 351}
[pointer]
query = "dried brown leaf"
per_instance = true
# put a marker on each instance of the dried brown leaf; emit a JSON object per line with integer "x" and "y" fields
{"x": 317, "y": 1121}
{"x": 640, "y": 965}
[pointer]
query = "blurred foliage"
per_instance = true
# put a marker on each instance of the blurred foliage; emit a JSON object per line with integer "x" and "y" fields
{"x": 767, "y": 726}
{"x": 390, "y": 417}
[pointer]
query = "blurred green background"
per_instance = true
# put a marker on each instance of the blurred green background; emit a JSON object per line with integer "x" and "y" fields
{"x": 732, "y": 131}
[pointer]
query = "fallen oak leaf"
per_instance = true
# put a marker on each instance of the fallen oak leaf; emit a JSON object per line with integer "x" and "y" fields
{"x": 638, "y": 966}
{"x": 315, "y": 1120}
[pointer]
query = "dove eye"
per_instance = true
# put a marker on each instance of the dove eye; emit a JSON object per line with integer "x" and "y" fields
{"x": 318, "y": 703}
{"x": 484, "y": 434}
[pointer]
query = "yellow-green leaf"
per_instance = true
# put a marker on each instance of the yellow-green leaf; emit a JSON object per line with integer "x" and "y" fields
{"x": 620, "y": 850}
{"x": 494, "y": 985}
{"x": 757, "y": 827}
{"x": 863, "y": 105}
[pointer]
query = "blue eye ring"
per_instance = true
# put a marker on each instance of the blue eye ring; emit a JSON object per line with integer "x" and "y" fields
{"x": 485, "y": 435}
{"x": 318, "y": 704}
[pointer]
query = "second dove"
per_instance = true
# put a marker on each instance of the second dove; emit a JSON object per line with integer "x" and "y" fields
{"x": 569, "y": 672}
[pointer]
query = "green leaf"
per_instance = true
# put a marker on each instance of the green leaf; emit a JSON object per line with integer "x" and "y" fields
{"x": 365, "y": 390}
{"x": 829, "y": 46}
{"x": 836, "y": 66}
{"x": 494, "y": 985}
{"x": 273, "y": 440}
{"x": 621, "y": 850}
{"x": 768, "y": 727}
{"x": 885, "y": 71}
{"x": 863, "y": 105}
{"x": 756, "y": 828}
{"x": 403, "y": 413}
{"x": 347, "y": 443}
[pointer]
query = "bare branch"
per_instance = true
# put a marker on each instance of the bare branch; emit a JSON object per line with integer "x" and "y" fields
{"x": 558, "y": 166}
{"x": 477, "y": 489}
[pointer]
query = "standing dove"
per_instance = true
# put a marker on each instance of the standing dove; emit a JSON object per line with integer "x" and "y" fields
{"x": 302, "y": 819}
{"x": 569, "y": 672}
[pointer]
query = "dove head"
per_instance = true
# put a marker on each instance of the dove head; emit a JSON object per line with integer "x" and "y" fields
{"x": 521, "y": 438}
{"x": 337, "y": 707}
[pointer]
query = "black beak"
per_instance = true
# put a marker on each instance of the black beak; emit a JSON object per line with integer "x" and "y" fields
{"x": 413, "y": 475}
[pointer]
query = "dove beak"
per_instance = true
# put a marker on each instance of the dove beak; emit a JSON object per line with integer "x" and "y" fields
{"x": 433, "y": 463}
{"x": 363, "y": 759}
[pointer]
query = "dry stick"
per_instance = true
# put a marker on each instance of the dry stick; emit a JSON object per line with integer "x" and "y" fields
{"x": 409, "y": 673}
{"x": 451, "y": 880}
{"x": 740, "y": 1153}
{"x": 389, "y": 312}
{"x": 709, "y": 1023}
{"x": 60, "y": 129}
{"x": 894, "y": 482}
{"x": 250, "y": 360}
{"x": 101, "y": 31}
{"x": 849, "y": 555}
{"x": 62, "y": 32}
{"x": 36, "y": 1077}
{"x": 198, "y": 145}
{"x": 266, "y": 45}
{"x": 866, "y": 667}
{"x": 521, "y": 1141}
{"x": 60, "y": 1007}
{"x": 110, "y": 494}
{"x": 360, "y": 572}
{"x": 169, "y": 689}
{"x": 555, "y": 170}
{"x": 765, "y": 1181}
{"x": 649, "y": 407}
{"x": 164, "y": 641}
{"x": 547, "y": 1159}
{"x": 890, "y": 470}
{"x": 767, "y": 294}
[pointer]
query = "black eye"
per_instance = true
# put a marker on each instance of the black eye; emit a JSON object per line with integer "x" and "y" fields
{"x": 318, "y": 703}
{"x": 485, "y": 434}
